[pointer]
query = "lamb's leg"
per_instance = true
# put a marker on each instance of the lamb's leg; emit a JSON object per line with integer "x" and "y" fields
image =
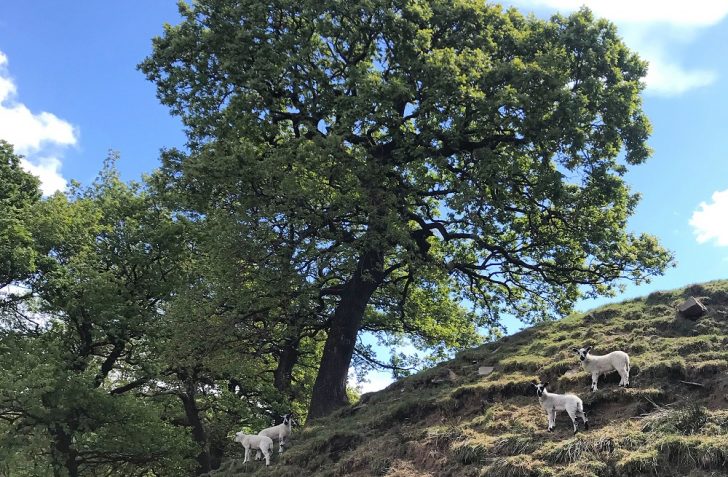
{"x": 622, "y": 378}
{"x": 266, "y": 453}
{"x": 595, "y": 379}
{"x": 582, "y": 416}
{"x": 247, "y": 455}
{"x": 548, "y": 415}
{"x": 280, "y": 445}
{"x": 258, "y": 455}
{"x": 552, "y": 420}
{"x": 626, "y": 375}
{"x": 572, "y": 415}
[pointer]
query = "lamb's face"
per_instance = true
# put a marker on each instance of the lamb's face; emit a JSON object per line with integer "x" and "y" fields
{"x": 288, "y": 419}
{"x": 540, "y": 388}
{"x": 239, "y": 437}
{"x": 582, "y": 352}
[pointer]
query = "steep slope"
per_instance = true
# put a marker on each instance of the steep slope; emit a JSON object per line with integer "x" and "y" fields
{"x": 449, "y": 421}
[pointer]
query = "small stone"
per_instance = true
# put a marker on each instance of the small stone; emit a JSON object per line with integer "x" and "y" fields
{"x": 452, "y": 376}
{"x": 692, "y": 308}
{"x": 485, "y": 370}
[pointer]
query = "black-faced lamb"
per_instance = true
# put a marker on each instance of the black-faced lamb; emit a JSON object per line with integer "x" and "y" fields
{"x": 597, "y": 365}
{"x": 552, "y": 403}
{"x": 279, "y": 433}
{"x": 260, "y": 443}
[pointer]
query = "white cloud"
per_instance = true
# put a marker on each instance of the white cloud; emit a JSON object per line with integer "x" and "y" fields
{"x": 698, "y": 13}
{"x": 48, "y": 170}
{"x": 30, "y": 132}
{"x": 709, "y": 220}
{"x": 665, "y": 78}
{"x": 38, "y": 136}
{"x": 656, "y": 29}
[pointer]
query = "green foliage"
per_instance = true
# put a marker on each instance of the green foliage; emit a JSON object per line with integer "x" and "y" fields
{"x": 109, "y": 255}
{"x": 414, "y": 155}
{"x": 19, "y": 193}
{"x": 145, "y": 338}
{"x": 434, "y": 143}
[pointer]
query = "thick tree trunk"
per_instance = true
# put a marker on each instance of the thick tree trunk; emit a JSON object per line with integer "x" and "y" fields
{"x": 217, "y": 453}
{"x": 329, "y": 390}
{"x": 198, "y": 430}
{"x": 283, "y": 375}
{"x": 63, "y": 455}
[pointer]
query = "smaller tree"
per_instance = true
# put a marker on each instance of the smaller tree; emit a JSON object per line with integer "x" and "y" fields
{"x": 110, "y": 255}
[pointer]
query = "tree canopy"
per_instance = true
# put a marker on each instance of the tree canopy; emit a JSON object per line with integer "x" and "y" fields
{"x": 413, "y": 152}
{"x": 140, "y": 339}
{"x": 18, "y": 195}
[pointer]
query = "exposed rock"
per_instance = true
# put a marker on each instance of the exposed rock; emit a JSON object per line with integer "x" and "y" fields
{"x": 449, "y": 376}
{"x": 692, "y": 308}
{"x": 485, "y": 370}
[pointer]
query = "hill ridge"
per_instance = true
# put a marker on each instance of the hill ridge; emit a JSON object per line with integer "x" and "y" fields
{"x": 450, "y": 421}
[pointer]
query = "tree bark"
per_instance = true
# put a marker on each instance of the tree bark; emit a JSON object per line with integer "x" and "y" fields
{"x": 198, "y": 430}
{"x": 329, "y": 390}
{"x": 283, "y": 374}
{"x": 63, "y": 455}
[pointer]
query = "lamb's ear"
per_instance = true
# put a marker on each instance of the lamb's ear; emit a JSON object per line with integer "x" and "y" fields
{"x": 575, "y": 350}
{"x": 545, "y": 384}
{"x": 534, "y": 384}
{"x": 588, "y": 348}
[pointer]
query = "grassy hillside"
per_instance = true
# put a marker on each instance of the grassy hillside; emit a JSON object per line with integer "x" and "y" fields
{"x": 448, "y": 421}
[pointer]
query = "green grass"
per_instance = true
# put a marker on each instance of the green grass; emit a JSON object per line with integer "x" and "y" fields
{"x": 472, "y": 426}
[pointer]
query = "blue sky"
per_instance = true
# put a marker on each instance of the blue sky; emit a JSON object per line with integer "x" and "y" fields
{"x": 69, "y": 92}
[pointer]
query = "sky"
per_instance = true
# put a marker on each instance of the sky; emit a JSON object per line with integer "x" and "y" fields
{"x": 70, "y": 92}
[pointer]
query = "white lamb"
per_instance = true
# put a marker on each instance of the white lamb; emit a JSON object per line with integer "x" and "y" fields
{"x": 552, "y": 403}
{"x": 262, "y": 444}
{"x": 597, "y": 365}
{"x": 280, "y": 432}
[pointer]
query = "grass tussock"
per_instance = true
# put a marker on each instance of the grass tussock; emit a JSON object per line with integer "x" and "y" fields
{"x": 586, "y": 468}
{"x": 515, "y": 444}
{"x": 686, "y": 452}
{"x": 517, "y": 466}
{"x": 685, "y": 420}
{"x": 642, "y": 462}
{"x": 471, "y": 452}
{"x": 580, "y": 448}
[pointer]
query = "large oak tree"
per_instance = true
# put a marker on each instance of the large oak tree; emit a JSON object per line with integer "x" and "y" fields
{"x": 418, "y": 150}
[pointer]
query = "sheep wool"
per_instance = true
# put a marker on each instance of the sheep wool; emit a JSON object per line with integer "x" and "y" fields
{"x": 597, "y": 365}
{"x": 280, "y": 432}
{"x": 260, "y": 443}
{"x": 552, "y": 403}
